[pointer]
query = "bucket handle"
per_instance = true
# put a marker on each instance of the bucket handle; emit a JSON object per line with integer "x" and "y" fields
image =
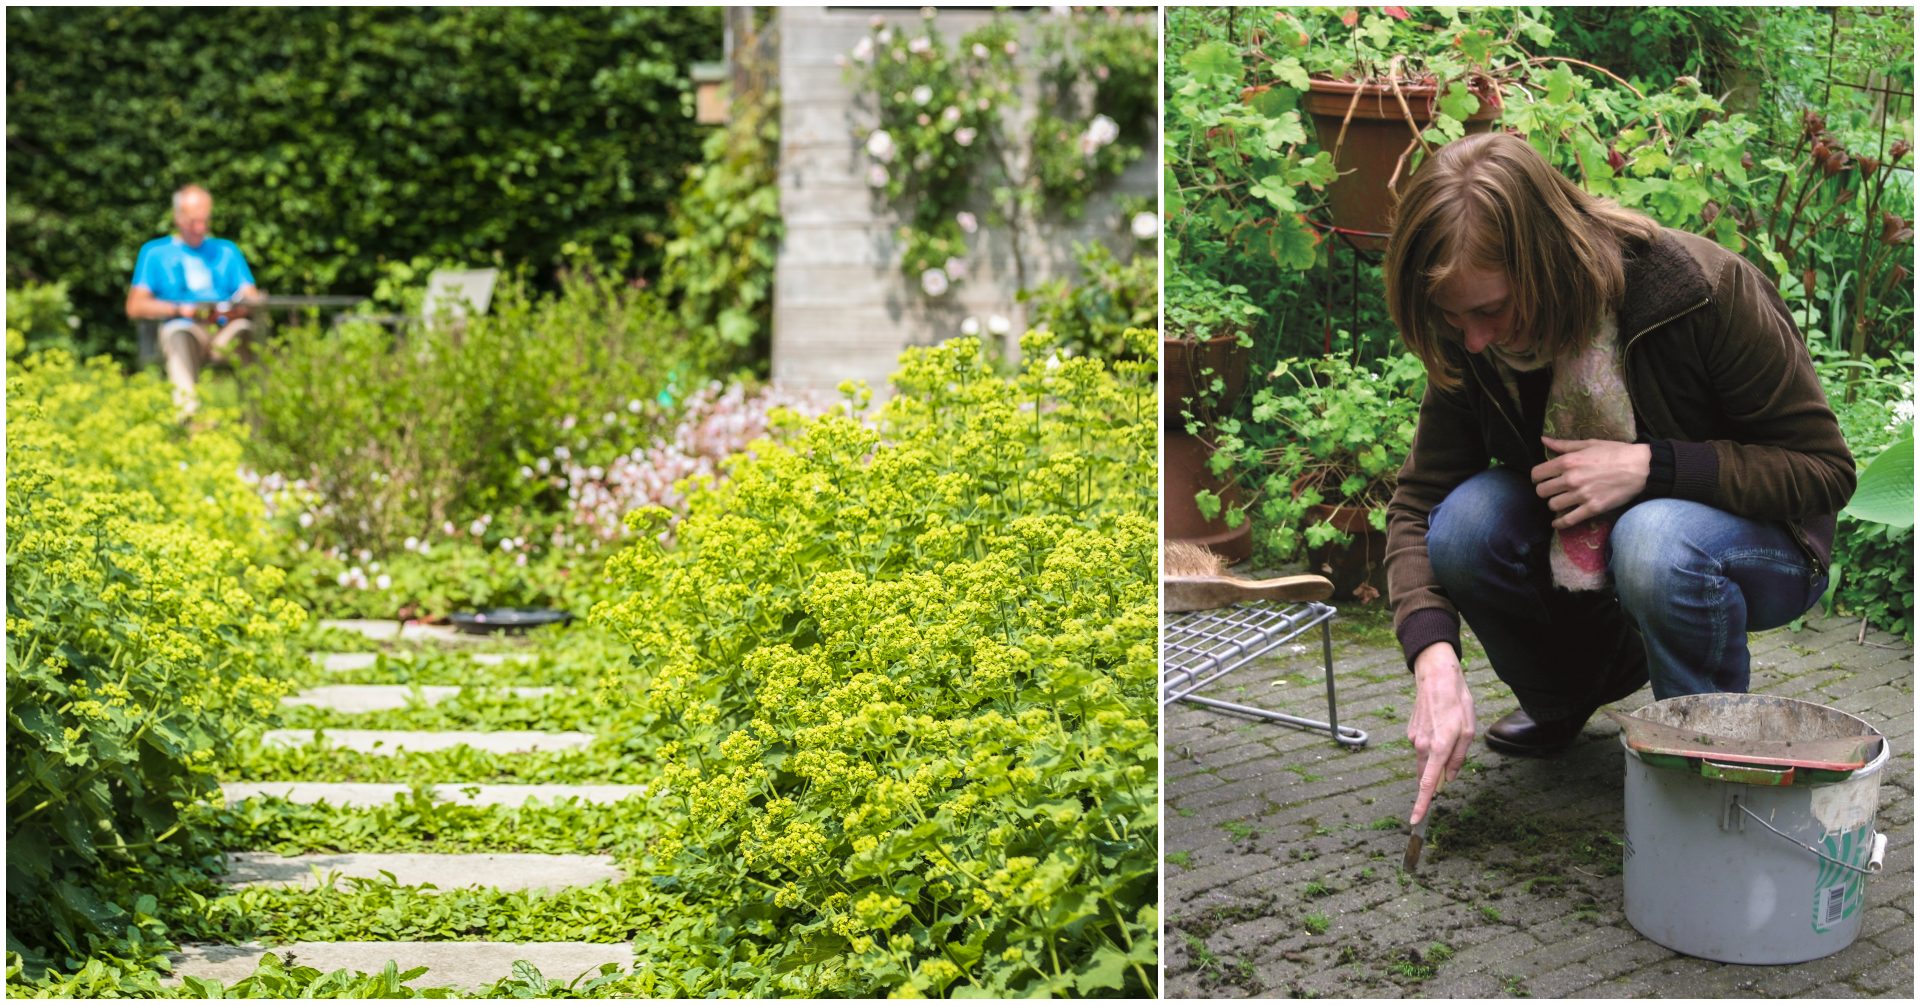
{"x": 1875, "y": 860}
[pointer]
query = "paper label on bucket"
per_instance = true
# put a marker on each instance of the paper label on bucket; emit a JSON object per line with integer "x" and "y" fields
{"x": 1833, "y": 907}
{"x": 1841, "y": 808}
{"x": 1838, "y": 891}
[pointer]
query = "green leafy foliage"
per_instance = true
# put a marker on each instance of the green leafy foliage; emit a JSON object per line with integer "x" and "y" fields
{"x": 379, "y": 910}
{"x": 369, "y": 135}
{"x": 474, "y": 708}
{"x": 1885, "y": 493}
{"x": 726, "y": 224}
{"x": 399, "y": 437}
{"x": 142, "y": 639}
{"x": 1321, "y": 432}
{"x": 618, "y": 758}
{"x": 39, "y": 316}
{"x": 1872, "y": 573}
{"x": 905, "y": 678}
{"x": 1091, "y": 315}
{"x": 273, "y": 978}
{"x": 415, "y": 822}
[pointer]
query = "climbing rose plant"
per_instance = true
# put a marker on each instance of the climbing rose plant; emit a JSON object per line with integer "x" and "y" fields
{"x": 949, "y": 146}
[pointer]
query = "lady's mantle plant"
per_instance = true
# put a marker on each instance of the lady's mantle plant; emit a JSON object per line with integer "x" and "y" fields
{"x": 141, "y": 639}
{"x": 951, "y": 145}
{"x": 906, "y": 679}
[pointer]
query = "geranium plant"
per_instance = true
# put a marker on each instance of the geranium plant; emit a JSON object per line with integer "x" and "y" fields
{"x": 1322, "y": 432}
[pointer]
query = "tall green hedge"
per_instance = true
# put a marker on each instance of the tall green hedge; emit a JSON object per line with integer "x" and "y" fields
{"x": 336, "y": 139}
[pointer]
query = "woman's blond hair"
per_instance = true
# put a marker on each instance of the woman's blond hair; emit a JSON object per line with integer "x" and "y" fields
{"x": 1489, "y": 201}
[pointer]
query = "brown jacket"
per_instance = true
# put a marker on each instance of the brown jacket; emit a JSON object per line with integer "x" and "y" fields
{"x": 1719, "y": 377}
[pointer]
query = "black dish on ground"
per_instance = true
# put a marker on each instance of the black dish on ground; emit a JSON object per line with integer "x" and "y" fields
{"x": 508, "y": 619}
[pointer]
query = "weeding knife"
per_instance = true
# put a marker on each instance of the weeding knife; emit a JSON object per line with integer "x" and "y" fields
{"x": 1416, "y": 841}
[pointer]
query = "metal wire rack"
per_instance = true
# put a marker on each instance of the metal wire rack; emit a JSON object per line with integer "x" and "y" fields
{"x": 1200, "y": 647}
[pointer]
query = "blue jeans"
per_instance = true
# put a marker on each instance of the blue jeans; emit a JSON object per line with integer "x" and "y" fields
{"x": 1688, "y": 580}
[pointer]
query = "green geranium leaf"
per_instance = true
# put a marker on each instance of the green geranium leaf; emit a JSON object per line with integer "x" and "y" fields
{"x": 1560, "y": 83}
{"x": 1459, "y": 102}
{"x": 1213, "y": 61}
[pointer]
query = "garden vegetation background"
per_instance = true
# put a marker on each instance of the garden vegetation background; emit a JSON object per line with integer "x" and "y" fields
{"x": 885, "y": 671}
{"x": 1784, "y": 133}
{"x": 338, "y": 140}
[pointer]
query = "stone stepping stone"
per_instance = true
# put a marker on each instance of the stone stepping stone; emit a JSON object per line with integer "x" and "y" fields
{"x": 501, "y": 870}
{"x": 393, "y": 741}
{"x": 469, "y": 966}
{"x": 395, "y": 631}
{"x": 495, "y": 659}
{"x": 386, "y": 697}
{"x": 383, "y": 793}
{"x": 341, "y": 662}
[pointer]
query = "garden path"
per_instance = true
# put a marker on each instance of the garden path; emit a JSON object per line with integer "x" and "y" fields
{"x": 467, "y": 965}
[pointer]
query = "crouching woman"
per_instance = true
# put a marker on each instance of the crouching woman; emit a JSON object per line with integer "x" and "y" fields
{"x": 1624, "y": 461}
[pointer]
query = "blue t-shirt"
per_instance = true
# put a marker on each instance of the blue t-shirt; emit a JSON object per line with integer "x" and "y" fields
{"x": 171, "y": 271}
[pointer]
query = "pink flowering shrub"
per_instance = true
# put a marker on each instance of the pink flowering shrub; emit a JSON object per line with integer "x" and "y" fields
{"x": 720, "y": 422}
{"x": 548, "y": 548}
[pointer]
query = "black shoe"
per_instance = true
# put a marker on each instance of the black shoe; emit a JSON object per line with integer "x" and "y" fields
{"x": 1518, "y": 733}
{"x": 1522, "y": 734}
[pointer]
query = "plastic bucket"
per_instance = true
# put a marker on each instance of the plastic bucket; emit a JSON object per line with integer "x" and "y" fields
{"x": 1746, "y": 864}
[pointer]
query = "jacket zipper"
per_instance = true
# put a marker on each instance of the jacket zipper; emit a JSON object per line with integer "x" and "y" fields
{"x": 1501, "y": 408}
{"x": 1629, "y": 346}
{"x": 1626, "y": 351}
{"x": 1815, "y": 571}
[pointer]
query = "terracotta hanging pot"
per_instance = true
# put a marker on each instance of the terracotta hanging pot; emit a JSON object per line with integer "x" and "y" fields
{"x": 1377, "y": 133}
{"x": 1183, "y": 474}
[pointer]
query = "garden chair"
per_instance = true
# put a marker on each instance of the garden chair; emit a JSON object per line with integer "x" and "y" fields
{"x": 460, "y": 293}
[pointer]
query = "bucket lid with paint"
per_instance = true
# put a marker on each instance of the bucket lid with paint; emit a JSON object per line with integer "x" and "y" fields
{"x": 1751, "y": 738}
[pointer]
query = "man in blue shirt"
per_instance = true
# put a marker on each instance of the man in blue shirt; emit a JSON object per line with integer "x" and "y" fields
{"x": 188, "y": 281}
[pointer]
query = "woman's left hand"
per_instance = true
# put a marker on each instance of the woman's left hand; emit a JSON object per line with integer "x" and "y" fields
{"x": 1590, "y": 477}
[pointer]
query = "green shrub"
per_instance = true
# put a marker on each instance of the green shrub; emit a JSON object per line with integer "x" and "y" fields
{"x": 334, "y": 139}
{"x": 1872, "y": 562}
{"x": 726, "y": 225}
{"x": 905, "y": 683}
{"x": 550, "y": 551}
{"x": 399, "y": 437}
{"x": 141, "y": 639}
{"x": 1091, "y": 316}
{"x": 39, "y": 316}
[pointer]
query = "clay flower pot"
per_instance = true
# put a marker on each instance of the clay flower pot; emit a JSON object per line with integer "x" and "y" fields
{"x": 1182, "y": 363}
{"x": 1183, "y": 474}
{"x": 1377, "y": 133}
{"x": 1358, "y": 569}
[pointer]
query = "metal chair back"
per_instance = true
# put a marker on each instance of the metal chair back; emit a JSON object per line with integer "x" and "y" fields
{"x": 459, "y": 292}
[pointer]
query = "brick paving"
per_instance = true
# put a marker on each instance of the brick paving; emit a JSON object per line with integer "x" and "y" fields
{"x": 1283, "y": 875}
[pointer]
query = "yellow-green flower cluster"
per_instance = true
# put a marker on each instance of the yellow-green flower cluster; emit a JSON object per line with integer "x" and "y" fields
{"x": 141, "y": 637}
{"x": 906, "y": 701}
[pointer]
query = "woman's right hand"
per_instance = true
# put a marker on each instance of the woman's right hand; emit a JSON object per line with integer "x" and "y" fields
{"x": 1442, "y": 726}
